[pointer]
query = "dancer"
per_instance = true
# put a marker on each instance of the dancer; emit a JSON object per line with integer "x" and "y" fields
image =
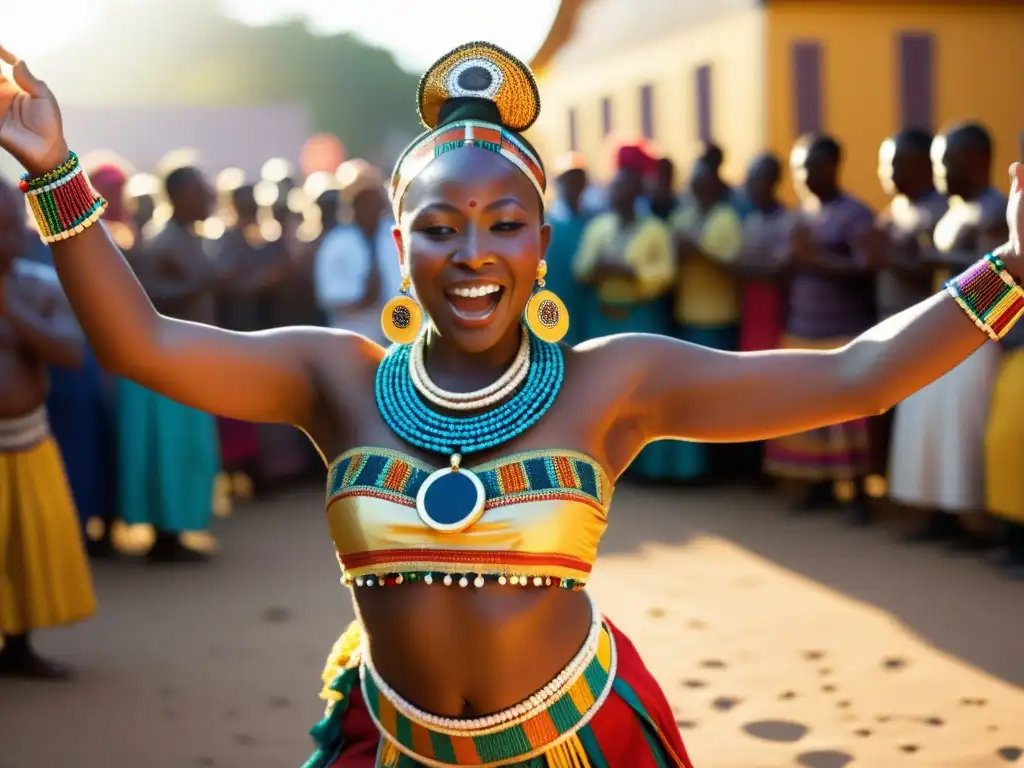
{"x": 44, "y": 575}
{"x": 475, "y": 460}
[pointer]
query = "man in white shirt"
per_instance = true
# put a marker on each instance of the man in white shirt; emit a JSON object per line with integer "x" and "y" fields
{"x": 357, "y": 269}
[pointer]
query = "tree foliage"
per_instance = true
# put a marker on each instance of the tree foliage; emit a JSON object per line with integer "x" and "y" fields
{"x": 187, "y": 53}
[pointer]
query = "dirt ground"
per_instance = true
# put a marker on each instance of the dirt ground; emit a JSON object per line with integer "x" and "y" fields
{"x": 780, "y": 642}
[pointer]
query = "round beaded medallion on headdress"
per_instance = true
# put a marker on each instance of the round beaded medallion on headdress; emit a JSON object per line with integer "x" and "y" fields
{"x": 484, "y": 71}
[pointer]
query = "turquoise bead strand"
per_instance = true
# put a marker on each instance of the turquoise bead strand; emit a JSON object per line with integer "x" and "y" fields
{"x": 412, "y": 419}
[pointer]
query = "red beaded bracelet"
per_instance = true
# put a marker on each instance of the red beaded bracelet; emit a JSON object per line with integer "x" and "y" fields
{"x": 63, "y": 201}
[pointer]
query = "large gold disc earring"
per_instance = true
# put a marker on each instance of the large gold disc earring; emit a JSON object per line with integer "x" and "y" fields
{"x": 546, "y": 315}
{"x": 402, "y": 317}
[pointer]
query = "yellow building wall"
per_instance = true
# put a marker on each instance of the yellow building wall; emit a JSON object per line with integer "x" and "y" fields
{"x": 734, "y": 47}
{"x": 978, "y": 73}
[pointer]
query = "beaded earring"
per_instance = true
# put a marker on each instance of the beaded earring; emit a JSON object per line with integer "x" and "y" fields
{"x": 545, "y": 314}
{"x": 402, "y": 317}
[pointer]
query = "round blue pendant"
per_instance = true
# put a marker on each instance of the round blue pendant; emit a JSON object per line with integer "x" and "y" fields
{"x": 450, "y": 500}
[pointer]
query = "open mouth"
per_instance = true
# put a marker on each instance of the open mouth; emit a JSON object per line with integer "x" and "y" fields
{"x": 474, "y": 303}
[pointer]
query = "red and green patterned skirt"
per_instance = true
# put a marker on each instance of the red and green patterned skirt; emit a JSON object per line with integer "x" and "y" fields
{"x": 628, "y": 724}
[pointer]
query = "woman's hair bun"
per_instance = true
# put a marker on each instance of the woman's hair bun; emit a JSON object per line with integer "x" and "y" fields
{"x": 479, "y": 81}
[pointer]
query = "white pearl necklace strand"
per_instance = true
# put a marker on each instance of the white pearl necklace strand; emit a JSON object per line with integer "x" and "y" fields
{"x": 468, "y": 401}
{"x": 515, "y": 714}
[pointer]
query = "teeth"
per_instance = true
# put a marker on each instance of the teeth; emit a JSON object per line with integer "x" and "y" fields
{"x": 476, "y": 290}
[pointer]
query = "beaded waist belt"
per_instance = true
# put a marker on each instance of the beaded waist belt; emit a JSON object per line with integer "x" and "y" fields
{"x": 529, "y": 729}
{"x": 24, "y": 432}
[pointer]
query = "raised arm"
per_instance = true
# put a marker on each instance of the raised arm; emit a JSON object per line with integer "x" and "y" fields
{"x": 690, "y": 392}
{"x": 257, "y": 377}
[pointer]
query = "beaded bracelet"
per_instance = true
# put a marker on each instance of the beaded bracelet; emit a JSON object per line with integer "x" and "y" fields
{"x": 989, "y": 295}
{"x": 63, "y": 201}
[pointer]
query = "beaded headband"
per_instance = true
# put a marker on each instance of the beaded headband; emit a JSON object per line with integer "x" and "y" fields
{"x": 474, "y": 72}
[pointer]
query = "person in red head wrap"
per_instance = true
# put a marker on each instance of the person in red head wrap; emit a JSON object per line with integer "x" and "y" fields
{"x": 109, "y": 177}
{"x": 636, "y": 158}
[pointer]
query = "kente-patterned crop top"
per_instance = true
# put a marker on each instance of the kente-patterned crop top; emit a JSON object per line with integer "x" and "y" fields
{"x": 543, "y": 518}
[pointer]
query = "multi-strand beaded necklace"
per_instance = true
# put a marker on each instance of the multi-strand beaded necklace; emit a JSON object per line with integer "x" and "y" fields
{"x": 453, "y": 498}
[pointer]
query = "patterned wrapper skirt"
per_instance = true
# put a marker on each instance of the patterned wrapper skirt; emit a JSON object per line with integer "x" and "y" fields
{"x": 828, "y": 454}
{"x": 44, "y": 575}
{"x": 605, "y": 710}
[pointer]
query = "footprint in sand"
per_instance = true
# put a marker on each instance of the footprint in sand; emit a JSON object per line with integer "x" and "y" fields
{"x": 777, "y": 730}
{"x": 829, "y": 758}
{"x": 725, "y": 703}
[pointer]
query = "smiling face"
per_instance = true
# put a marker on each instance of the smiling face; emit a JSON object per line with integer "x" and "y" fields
{"x": 471, "y": 235}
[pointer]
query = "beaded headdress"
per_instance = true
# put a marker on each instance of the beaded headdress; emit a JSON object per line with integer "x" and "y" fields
{"x": 478, "y": 95}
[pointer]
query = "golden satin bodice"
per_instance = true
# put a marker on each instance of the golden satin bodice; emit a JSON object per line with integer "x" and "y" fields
{"x": 544, "y": 517}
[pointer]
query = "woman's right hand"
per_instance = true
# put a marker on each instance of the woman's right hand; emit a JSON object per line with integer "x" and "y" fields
{"x": 30, "y": 123}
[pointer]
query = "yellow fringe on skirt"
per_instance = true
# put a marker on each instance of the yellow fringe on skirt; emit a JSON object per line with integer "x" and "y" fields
{"x": 44, "y": 574}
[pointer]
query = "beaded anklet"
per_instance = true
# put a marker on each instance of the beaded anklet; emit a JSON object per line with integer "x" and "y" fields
{"x": 63, "y": 201}
{"x": 989, "y": 295}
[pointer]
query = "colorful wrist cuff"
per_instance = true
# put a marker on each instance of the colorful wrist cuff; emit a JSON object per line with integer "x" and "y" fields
{"x": 63, "y": 201}
{"x": 989, "y": 295}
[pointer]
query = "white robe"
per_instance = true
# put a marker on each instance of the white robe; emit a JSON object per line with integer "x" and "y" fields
{"x": 340, "y": 273}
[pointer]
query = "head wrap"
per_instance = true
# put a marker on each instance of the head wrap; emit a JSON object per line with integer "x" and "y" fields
{"x": 478, "y": 95}
{"x": 635, "y": 158}
{"x": 110, "y": 180}
{"x": 355, "y": 177}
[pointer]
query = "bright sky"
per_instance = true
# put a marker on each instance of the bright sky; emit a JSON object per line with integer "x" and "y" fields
{"x": 417, "y": 32}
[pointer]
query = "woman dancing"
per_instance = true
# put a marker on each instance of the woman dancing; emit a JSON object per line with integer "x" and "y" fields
{"x": 475, "y": 458}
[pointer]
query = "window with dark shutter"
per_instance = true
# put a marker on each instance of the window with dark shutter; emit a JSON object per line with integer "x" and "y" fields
{"x": 916, "y": 85}
{"x": 647, "y": 111}
{"x": 806, "y": 58}
{"x": 703, "y": 111}
{"x": 606, "y": 116}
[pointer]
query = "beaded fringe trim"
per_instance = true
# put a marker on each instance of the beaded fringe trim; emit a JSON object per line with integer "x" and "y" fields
{"x": 989, "y": 295}
{"x": 64, "y": 203}
{"x": 461, "y": 579}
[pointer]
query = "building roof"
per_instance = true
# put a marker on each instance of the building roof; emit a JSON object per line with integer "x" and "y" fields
{"x": 584, "y": 30}
{"x": 561, "y": 30}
